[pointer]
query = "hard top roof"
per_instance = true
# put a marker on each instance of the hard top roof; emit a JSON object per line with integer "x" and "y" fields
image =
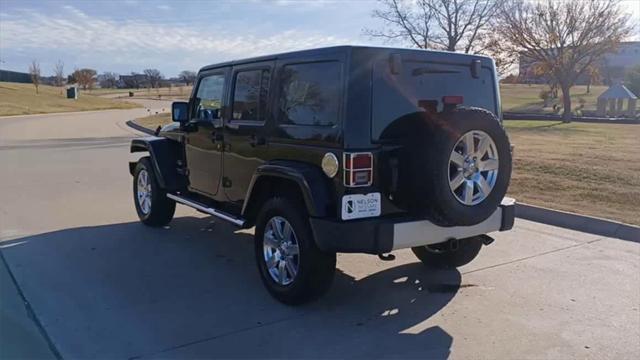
{"x": 324, "y": 50}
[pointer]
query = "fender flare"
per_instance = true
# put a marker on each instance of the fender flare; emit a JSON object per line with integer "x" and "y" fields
{"x": 313, "y": 184}
{"x": 164, "y": 154}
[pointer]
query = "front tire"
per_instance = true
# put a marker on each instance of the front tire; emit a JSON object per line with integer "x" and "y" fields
{"x": 153, "y": 206}
{"x": 445, "y": 256}
{"x": 291, "y": 266}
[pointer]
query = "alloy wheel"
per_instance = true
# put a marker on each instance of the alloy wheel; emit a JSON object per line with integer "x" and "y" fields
{"x": 143, "y": 191}
{"x": 280, "y": 250}
{"x": 473, "y": 167}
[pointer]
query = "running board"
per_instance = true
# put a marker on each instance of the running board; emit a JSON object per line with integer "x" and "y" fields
{"x": 207, "y": 210}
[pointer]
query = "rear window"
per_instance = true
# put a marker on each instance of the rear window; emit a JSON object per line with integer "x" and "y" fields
{"x": 397, "y": 95}
{"x": 310, "y": 94}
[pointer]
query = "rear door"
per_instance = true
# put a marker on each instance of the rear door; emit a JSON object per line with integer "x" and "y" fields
{"x": 245, "y": 138}
{"x": 204, "y": 145}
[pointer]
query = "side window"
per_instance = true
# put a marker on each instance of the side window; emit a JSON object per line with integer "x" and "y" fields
{"x": 208, "y": 100}
{"x": 310, "y": 94}
{"x": 250, "y": 95}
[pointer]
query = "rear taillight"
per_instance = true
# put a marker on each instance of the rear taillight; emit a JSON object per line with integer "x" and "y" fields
{"x": 358, "y": 169}
{"x": 452, "y": 100}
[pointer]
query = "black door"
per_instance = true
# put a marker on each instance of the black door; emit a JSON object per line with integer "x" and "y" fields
{"x": 204, "y": 143}
{"x": 244, "y": 130}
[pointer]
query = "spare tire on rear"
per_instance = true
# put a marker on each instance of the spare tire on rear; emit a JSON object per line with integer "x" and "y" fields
{"x": 457, "y": 169}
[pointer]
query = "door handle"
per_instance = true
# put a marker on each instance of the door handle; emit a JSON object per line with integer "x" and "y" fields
{"x": 256, "y": 140}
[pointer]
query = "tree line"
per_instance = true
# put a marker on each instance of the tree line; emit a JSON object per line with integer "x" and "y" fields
{"x": 563, "y": 39}
{"x": 87, "y": 78}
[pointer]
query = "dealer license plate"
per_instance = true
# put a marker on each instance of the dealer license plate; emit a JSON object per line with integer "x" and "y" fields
{"x": 360, "y": 206}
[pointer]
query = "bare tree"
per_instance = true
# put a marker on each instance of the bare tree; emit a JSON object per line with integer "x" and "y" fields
{"x": 132, "y": 81}
{"x": 189, "y": 77}
{"x": 542, "y": 70}
{"x": 34, "y": 71}
{"x": 85, "y": 78}
{"x": 404, "y": 22}
{"x": 505, "y": 62}
{"x": 593, "y": 73}
{"x": 58, "y": 73}
{"x": 108, "y": 80}
{"x": 565, "y": 37}
{"x": 452, "y": 25}
{"x": 153, "y": 76}
{"x": 71, "y": 78}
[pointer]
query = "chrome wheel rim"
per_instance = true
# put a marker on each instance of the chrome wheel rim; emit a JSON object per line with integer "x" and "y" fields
{"x": 280, "y": 250}
{"x": 143, "y": 192}
{"x": 473, "y": 167}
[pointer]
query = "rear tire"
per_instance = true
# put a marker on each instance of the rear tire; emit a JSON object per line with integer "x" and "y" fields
{"x": 441, "y": 256}
{"x": 153, "y": 206}
{"x": 284, "y": 244}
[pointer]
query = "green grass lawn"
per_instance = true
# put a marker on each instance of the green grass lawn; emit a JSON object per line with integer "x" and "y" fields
{"x": 524, "y": 98}
{"x": 21, "y": 99}
{"x": 591, "y": 169}
{"x": 176, "y": 92}
{"x": 153, "y": 121}
{"x": 515, "y": 97}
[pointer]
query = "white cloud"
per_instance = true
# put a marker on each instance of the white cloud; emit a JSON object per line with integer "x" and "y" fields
{"x": 137, "y": 42}
{"x": 164, "y": 7}
{"x": 298, "y": 3}
{"x": 302, "y": 3}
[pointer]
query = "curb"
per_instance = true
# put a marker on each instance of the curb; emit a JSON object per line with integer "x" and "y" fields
{"x": 568, "y": 220}
{"x": 62, "y": 113}
{"x": 593, "y": 120}
{"x": 578, "y": 119}
{"x": 140, "y": 128}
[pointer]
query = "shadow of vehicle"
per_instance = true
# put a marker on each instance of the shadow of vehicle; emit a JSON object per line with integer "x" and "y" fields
{"x": 193, "y": 290}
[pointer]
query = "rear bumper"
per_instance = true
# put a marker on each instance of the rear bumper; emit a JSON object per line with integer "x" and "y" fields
{"x": 380, "y": 235}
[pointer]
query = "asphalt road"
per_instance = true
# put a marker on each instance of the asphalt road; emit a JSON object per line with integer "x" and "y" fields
{"x": 83, "y": 279}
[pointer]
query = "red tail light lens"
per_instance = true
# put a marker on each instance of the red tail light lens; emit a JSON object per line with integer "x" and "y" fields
{"x": 452, "y": 100}
{"x": 358, "y": 169}
{"x": 358, "y": 161}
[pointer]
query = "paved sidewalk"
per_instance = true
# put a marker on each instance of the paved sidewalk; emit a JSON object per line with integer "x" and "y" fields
{"x": 104, "y": 286}
{"x": 20, "y": 337}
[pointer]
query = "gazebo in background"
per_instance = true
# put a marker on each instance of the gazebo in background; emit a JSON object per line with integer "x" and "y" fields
{"x": 611, "y": 102}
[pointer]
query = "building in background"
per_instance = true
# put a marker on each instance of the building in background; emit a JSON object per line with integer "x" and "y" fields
{"x": 616, "y": 65}
{"x": 14, "y": 76}
{"x": 612, "y": 68}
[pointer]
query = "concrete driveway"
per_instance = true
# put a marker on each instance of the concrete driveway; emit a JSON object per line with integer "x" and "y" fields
{"x": 83, "y": 279}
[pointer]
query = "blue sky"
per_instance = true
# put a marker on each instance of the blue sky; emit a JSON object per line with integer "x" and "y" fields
{"x": 132, "y": 35}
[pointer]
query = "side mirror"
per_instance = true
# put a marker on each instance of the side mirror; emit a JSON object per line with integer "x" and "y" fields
{"x": 180, "y": 111}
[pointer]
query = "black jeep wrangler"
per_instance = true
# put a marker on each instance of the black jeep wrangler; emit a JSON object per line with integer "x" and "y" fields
{"x": 341, "y": 149}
